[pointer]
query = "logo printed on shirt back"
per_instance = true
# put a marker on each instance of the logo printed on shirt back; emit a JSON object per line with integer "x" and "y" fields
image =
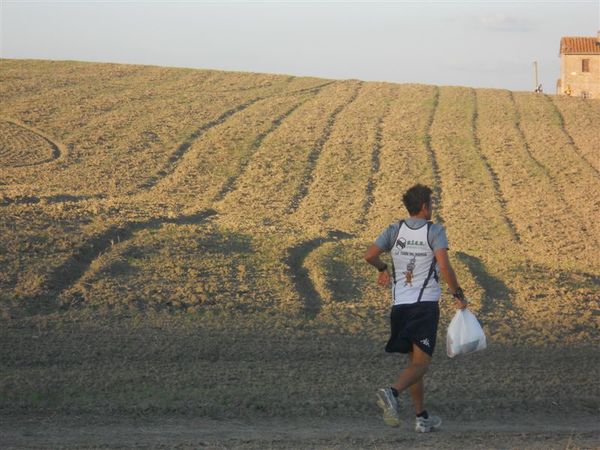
{"x": 410, "y": 267}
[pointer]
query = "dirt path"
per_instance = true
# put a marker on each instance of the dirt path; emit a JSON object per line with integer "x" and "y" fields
{"x": 170, "y": 432}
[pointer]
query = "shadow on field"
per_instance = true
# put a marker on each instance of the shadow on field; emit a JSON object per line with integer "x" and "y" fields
{"x": 496, "y": 293}
{"x": 68, "y": 273}
{"x": 60, "y": 198}
{"x": 345, "y": 285}
{"x": 295, "y": 260}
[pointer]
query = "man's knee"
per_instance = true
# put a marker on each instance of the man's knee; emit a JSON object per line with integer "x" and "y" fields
{"x": 419, "y": 358}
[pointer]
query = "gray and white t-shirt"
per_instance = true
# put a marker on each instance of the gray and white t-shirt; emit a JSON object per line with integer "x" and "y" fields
{"x": 437, "y": 234}
{"x": 414, "y": 267}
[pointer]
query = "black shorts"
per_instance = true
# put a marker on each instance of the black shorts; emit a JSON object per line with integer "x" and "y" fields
{"x": 415, "y": 323}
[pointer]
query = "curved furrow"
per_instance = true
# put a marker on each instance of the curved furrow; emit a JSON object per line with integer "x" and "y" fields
{"x": 106, "y": 109}
{"x": 185, "y": 146}
{"x": 437, "y": 186}
{"x": 307, "y": 176}
{"x": 182, "y": 149}
{"x": 118, "y": 140}
{"x": 74, "y": 268}
{"x": 478, "y": 232}
{"x": 272, "y": 176}
{"x": 405, "y": 156}
{"x": 217, "y": 159}
{"x": 532, "y": 199}
{"x": 500, "y": 198}
{"x": 375, "y": 167}
{"x": 567, "y": 170}
{"x": 526, "y": 146}
{"x": 311, "y": 89}
{"x": 584, "y": 156}
{"x": 305, "y": 287}
{"x": 469, "y": 200}
{"x": 230, "y": 183}
{"x": 343, "y": 167}
{"x": 56, "y": 149}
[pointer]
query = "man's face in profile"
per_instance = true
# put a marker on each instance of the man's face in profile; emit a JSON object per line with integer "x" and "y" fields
{"x": 429, "y": 209}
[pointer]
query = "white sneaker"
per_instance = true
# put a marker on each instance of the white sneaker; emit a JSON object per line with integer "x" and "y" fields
{"x": 423, "y": 425}
{"x": 388, "y": 403}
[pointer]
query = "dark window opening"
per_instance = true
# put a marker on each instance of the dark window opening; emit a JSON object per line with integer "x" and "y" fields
{"x": 585, "y": 65}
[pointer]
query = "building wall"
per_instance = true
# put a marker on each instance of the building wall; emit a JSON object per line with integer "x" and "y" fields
{"x": 572, "y": 76}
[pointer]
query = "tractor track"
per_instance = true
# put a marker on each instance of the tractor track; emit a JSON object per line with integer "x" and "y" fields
{"x": 492, "y": 174}
{"x": 183, "y": 148}
{"x": 563, "y": 127}
{"x": 375, "y": 167}
{"x": 231, "y": 183}
{"x": 437, "y": 188}
{"x": 313, "y": 156}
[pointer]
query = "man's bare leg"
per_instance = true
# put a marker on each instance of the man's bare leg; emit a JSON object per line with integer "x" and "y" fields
{"x": 416, "y": 391}
{"x": 419, "y": 363}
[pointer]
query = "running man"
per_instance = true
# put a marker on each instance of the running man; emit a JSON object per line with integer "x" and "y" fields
{"x": 419, "y": 252}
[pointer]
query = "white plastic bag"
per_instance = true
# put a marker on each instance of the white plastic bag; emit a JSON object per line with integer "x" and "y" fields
{"x": 465, "y": 334}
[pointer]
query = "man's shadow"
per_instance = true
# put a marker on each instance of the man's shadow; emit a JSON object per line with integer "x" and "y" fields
{"x": 496, "y": 293}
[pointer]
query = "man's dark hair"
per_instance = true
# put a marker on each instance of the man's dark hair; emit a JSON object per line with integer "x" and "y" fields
{"x": 415, "y": 197}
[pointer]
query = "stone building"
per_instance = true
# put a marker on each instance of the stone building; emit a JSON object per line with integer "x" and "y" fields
{"x": 579, "y": 67}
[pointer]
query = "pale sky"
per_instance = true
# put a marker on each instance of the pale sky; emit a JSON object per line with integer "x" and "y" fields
{"x": 466, "y": 43}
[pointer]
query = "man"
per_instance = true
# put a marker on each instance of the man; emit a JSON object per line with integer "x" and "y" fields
{"x": 419, "y": 251}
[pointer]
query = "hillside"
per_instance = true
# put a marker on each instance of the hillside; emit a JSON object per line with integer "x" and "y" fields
{"x": 169, "y": 234}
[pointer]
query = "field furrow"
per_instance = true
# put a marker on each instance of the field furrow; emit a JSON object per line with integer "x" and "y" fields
{"x": 542, "y": 129}
{"x": 579, "y": 119}
{"x": 276, "y": 172}
{"x": 532, "y": 199}
{"x": 404, "y": 159}
{"x": 23, "y": 146}
{"x": 215, "y": 160}
{"x": 183, "y": 148}
{"x": 315, "y": 154}
{"x": 470, "y": 202}
{"x": 375, "y": 168}
{"x": 230, "y": 183}
{"x": 561, "y": 122}
{"x": 500, "y": 198}
{"x": 344, "y": 166}
{"x": 477, "y": 228}
{"x": 435, "y": 167}
{"x": 117, "y": 139}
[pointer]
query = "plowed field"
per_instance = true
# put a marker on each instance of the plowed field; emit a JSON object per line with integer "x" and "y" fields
{"x": 181, "y": 258}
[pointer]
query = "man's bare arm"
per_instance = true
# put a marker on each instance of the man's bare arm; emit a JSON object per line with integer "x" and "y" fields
{"x": 441, "y": 255}
{"x": 372, "y": 257}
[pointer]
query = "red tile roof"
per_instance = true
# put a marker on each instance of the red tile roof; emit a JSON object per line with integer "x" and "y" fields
{"x": 578, "y": 45}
